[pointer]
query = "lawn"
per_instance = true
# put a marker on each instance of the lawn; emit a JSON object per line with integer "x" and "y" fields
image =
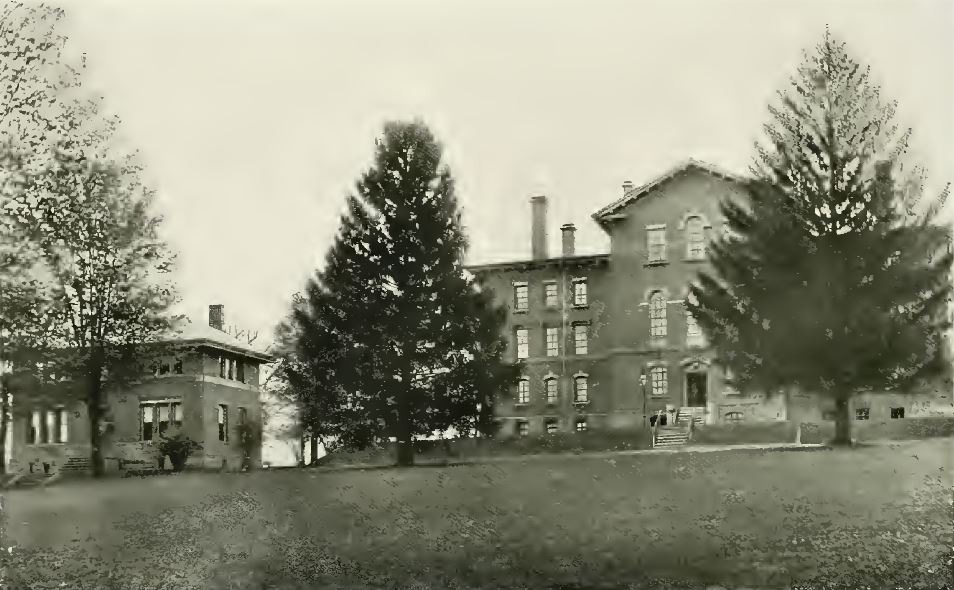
{"x": 878, "y": 515}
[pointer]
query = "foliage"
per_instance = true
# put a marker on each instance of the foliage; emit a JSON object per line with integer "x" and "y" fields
{"x": 392, "y": 337}
{"x": 178, "y": 447}
{"x": 833, "y": 277}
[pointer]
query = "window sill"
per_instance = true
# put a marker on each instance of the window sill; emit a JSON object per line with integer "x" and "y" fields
{"x": 656, "y": 263}
{"x": 581, "y": 306}
{"x": 521, "y": 404}
{"x": 520, "y": 311}
{"x": 580, "y": 404}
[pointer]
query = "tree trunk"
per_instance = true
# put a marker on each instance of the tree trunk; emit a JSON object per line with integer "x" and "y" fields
{"x": 301, "y": 450}
{"x": 4, "y": 410}
{"x": 405, "y": 442}
{"x": 94, "y": 405}
{"x": 313, "y": 442}
{"x": 842, "y": 421}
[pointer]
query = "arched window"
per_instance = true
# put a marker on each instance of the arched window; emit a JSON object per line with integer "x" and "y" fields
{"x": 659, "y": 380}
{"x": 695, "y": 239}
{"x": 523, "y": 391}
{"x": 657, "y": 315}
{"x": 553, "y": 395}
{"x": 580, "y": 388}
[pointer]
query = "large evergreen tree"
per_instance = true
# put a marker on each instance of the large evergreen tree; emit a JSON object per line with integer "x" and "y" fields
{"x": 393, "y": 338}
{"x": 833, "y": 277}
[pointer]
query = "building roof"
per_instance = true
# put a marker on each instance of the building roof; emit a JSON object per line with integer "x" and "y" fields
{"x": 526, "y": 264}
{"x": 199, "y": 334}
{"x": 650, "y": 186}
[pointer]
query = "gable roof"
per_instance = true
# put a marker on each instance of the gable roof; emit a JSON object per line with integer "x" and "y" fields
{"x": 647, "y": 188}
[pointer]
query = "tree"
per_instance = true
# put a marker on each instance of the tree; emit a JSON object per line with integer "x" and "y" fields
{"x": 33, "y": 80}
{"x": 106, "y": 271}
{"x": 833, "y": 277}
{"x": 393, "y": 338}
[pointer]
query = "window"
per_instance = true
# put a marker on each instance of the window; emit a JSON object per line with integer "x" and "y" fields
{"x": 657, "y": 315}
{"x": 658, "y": 379}
{"x": 242, "y": 416}
{"x": 580, "y": 338}
{"x": 734, "y": 417}
{"x": 553, "y": 393}
{"x": 551, "y": 426}
{"x": 231, "y": 374}
{"x": 157, "y": 417}
{"x": 553, "y": 341}
{"x": 862, "y": 414}
{"x": 523, "y": 428}
{"x": 240, "y": 371}
{"x": 177, "y": 367}
{"x": 523, "y": 391}
{"x": 550, "y": 295}
{"x": 523, "y": 343}
{"x": 223, "y": 422}
{"x": 521, "y": 297}
{"x": 693, "y": 332}
{"x": 33, "y": 436}
{"x": 656, "y": 243}
{"x": 222, "y": 367}
{"x": 897, "y": 413}
{"x": 580, "y": 389}
{"x": 695, "y": 239}
{"x": 579, "y": 292}
{"x": 581, "y": 424}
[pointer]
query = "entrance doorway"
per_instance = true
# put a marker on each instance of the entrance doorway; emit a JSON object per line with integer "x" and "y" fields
{"x": 696, "y": 389}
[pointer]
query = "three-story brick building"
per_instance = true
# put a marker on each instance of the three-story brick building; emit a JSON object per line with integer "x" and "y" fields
{"x": 605, "y": 341}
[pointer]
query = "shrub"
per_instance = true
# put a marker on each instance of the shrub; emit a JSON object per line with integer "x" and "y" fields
{"x": 249, "y": 438}
{"x": 179, "y": 448}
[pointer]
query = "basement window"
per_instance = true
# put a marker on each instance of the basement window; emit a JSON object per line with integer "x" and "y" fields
{"x": 897, "y": 413}
{"x": 862, "y": 414}
{"x": 523, "y": 428}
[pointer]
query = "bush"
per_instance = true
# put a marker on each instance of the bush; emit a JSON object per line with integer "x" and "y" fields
{"x": 900, "y": 429}
{"x": 178, "y": 448}
{"x": 745, "y": 433}
{"x": 249, "y": 439}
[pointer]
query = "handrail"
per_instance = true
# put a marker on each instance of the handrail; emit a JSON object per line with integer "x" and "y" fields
{"x": 655, "y": 429}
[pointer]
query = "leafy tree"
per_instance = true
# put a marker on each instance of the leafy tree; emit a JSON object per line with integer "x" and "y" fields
{"x": 393, "y": 338}
{"x": 833, "y": 277}
{"x": 105, "y": 269}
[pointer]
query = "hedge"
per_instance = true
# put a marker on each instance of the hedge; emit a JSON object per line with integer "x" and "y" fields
{"x": 429, "y": 451}
{"x": 744, "y": 433}
{"x": 899, "y": 429}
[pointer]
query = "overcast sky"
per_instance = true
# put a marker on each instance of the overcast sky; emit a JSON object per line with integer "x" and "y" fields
{"x": 255, "y": 118}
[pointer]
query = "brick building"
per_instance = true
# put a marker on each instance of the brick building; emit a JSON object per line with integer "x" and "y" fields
{"x": 206, "y": 389}
{"x": 605, "y": 341}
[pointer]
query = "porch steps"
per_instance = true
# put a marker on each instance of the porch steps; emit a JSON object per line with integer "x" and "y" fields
{"x": 671, "y": 436}
{"x": 76, "y": 464}
{"x": 30, "y": 480}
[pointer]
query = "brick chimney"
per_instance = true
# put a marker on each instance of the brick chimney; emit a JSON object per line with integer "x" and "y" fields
{"x": 569, "y": 239}
{"x": 538, "y": 228}
{"x": 627, "y": 186}
{"x": 217, "y": 316}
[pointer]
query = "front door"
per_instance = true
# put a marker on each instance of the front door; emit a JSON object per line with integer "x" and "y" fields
{"x": 696, "y": 390}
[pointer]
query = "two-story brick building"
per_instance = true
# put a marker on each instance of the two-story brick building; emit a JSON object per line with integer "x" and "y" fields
{"x": 605, "y": 341}
{"x": 207, "y": 389}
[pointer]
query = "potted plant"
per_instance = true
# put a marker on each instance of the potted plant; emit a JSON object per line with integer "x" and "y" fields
{"x": 178, "y": 447}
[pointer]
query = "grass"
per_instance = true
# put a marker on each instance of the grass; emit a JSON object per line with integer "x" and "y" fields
{"x": 878, "y": 515}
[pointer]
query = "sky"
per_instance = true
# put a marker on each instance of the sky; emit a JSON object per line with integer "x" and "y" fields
{"x": 254, "y": 119}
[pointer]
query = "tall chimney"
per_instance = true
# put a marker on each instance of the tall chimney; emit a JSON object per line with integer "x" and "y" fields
{"x": 538, "y": 228}
{"x": 627, "y": 186}
{"x": 217, "y": 316}
{"x": 569, "y": 240}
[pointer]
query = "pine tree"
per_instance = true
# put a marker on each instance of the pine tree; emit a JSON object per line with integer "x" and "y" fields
{"x": 394, "y": 338}
{"x": 833, "y": 277}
